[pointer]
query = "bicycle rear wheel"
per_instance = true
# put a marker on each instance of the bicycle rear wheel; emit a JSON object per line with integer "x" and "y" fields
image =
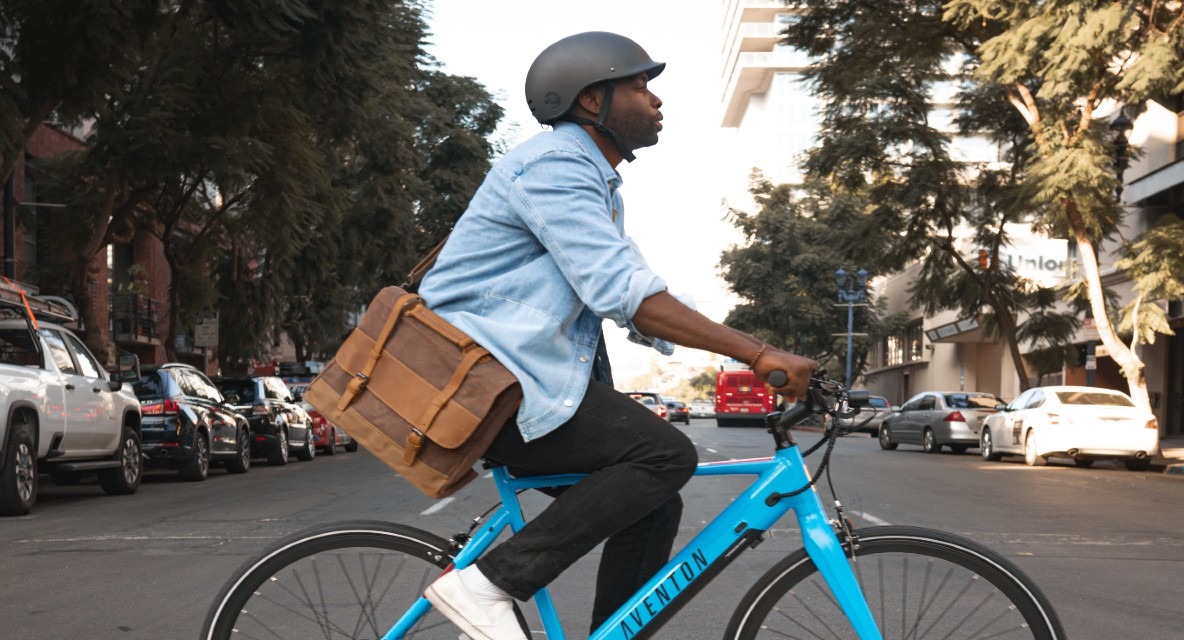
{"x": 919, "y": 583}
{"x": 343, "y": 580}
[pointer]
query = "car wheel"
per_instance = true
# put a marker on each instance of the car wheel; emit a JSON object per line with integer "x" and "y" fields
{"x": 1137, "y": 464}
{"x": 309, "y": 450}
{"x": 929, "y": 442}
{"x": 198, "y": 467}
{"x": 987, "y": 445}
{"x": 278, "y": 456}
{"x": 886, "y": 442}
{"x": 18, "y": 472}
{"x": 125, "y": 479}
{"x": 331, "y": 449}
{"x": 351, "y": 446}
{"x": 1030, "y": 457}
{"x": 242, "y": 461}
{"x": 1084, "y": 463}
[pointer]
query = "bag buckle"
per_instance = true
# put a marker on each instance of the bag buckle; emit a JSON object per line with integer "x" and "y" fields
{"x": 414, "y": 444}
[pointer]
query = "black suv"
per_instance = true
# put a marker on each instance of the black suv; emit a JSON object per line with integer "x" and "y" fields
{"x": 279, "y": 424}
{"x": 187, "y": 425}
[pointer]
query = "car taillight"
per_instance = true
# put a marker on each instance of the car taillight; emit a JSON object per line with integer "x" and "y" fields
{"x": 260, "y": 409}
{"x": 162, "y": 408}
{"x": 662, "y": 411}
{"x": 956, "y": 416}
{"x": 1152, "y": 424}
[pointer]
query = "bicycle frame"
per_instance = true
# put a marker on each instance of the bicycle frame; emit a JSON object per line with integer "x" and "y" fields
{"x": 738, "y": 527}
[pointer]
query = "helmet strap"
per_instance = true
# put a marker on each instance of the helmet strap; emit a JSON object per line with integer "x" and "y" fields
{"x": 598, "y": 124}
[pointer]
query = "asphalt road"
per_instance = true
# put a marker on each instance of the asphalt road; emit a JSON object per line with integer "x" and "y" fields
{"x": 1104, "y": 543}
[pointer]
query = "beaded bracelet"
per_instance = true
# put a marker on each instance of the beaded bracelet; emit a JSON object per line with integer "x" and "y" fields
{"x": 760, "y": 352}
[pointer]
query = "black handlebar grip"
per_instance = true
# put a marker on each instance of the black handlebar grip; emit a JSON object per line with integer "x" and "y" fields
{"x": 778, "y": 378}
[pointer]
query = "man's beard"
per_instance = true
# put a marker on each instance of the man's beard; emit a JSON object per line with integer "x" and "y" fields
{"x": 634, "y": 131}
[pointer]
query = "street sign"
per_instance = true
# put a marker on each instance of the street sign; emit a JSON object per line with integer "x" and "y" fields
{"x": 205, "y": 331}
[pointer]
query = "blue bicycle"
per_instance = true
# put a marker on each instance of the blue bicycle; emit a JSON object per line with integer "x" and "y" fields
{"x": 365, "y": 579}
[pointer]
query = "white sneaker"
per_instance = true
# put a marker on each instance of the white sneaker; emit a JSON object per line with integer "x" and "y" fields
{"x": 492, "y": 620}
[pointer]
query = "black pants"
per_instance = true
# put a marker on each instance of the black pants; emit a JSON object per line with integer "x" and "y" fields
{"x": 636, "y": 463}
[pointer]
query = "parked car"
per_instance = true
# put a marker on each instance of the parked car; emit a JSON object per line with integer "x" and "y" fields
{"x": 60, "y": 412}
{"x": 187, "y": 424}
{"x": 936, "y": 419}
{"x": 677, "y": 411}
{"x": 702, "y": 409}
{"x": 279, "y": 425}
{"x": 1082, "y": 423}
{"x": 325, "y": 435}
{"x": 652, "y": 401}
{"x": 870, "y": 416}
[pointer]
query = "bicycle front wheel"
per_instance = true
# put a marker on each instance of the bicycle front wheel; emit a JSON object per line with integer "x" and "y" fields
{"x": 344, "y": 580}
{"x": 918, "y": 583}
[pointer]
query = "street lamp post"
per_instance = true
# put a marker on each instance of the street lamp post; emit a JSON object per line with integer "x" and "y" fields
{"x": 851, "y": 293}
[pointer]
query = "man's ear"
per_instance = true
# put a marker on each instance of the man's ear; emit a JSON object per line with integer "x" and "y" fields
{"x": 590, "y": 99}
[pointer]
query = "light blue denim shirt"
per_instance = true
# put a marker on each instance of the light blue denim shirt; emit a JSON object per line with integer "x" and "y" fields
{"x": 538, "y": 259}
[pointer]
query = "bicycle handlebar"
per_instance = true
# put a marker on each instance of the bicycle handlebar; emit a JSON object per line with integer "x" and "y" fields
{"x": 824, "y": 396}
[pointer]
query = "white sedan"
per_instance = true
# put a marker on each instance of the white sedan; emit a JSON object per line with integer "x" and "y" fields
{"x": 1082, "y": 423}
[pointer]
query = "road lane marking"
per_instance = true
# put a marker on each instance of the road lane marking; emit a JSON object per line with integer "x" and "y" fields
{"x": 879, "y": 522}
{"x": 436, "y": 507}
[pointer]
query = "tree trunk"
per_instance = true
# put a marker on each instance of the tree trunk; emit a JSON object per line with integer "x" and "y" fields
{"x": 98, "y": 332}
{"x": 1132, "y": 366}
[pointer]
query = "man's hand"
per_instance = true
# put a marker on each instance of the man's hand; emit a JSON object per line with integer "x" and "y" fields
{"x": 797, "y": 368}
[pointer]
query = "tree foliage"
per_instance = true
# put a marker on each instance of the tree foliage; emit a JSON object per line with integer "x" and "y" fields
{"x": 1032, "y": 77}
{"x": 785, "y": 275}
{"x": 292, "y": 157}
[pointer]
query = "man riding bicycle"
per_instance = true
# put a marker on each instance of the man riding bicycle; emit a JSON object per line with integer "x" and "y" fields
{"x": 537, "y": 261}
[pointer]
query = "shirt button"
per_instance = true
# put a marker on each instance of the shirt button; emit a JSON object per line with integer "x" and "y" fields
{"x": 568, "y": 403}
{"x": 583, "y": 358}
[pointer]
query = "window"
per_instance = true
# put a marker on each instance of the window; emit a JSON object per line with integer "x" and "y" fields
{"x": 16, "y": 347}
{"x": 59, "y": 352}
{"x": 893, "y": 350}
{"x": 87, "y": 365}
{"x": 927, "y": 403}
{"x": 913, "y": 341}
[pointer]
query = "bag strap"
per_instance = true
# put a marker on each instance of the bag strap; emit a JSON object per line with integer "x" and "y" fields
{"x": 361, "y": 378}
{"x": 421, "y": 268}
{"x": 415, "y": 438}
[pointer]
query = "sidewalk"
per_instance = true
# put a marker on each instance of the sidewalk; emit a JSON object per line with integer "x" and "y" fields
{"x": 1171, "y": 456}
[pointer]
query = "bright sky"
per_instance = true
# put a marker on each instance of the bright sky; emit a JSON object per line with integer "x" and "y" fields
{"x": 673, "y": 191}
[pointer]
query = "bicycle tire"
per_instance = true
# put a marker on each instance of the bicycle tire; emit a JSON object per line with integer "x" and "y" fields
{"x": 918, "y": 582}
{"x": 341, "y": 580}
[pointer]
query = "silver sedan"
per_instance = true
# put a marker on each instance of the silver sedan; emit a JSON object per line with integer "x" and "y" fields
{"x": 936, "y": 419}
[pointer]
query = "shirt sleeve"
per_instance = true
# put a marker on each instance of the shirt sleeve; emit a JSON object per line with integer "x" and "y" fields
{"x": 566, "y": 203}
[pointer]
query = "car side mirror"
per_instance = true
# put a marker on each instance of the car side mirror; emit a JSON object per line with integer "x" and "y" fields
{"x": 127, "y": 368}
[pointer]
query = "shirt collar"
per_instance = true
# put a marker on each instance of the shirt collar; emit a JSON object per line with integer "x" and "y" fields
{"x": 585, "y": 140}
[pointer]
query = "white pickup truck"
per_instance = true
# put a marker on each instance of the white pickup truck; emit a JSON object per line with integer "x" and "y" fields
{"x": 61, "y": 413}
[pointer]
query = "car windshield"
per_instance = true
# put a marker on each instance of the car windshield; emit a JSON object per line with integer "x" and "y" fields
{"x": 878, "y": 402}
{"x": 244, "y": 390}
{"x": 150, "y": 385}
{"x": 1094, "y": 398}
{"x": 972, "y": 401}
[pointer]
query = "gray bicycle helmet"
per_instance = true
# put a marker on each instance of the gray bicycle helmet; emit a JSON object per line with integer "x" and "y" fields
{"x": 565, "y": 68}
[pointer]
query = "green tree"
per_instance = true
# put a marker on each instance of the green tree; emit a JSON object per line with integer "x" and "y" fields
{"x": 785, "y": 275}
{"x": 879, "y": 66}
{"x": 1029, "y": 76}
{"x": 1059, "y": 65}
{"x": 290, "y": 157}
